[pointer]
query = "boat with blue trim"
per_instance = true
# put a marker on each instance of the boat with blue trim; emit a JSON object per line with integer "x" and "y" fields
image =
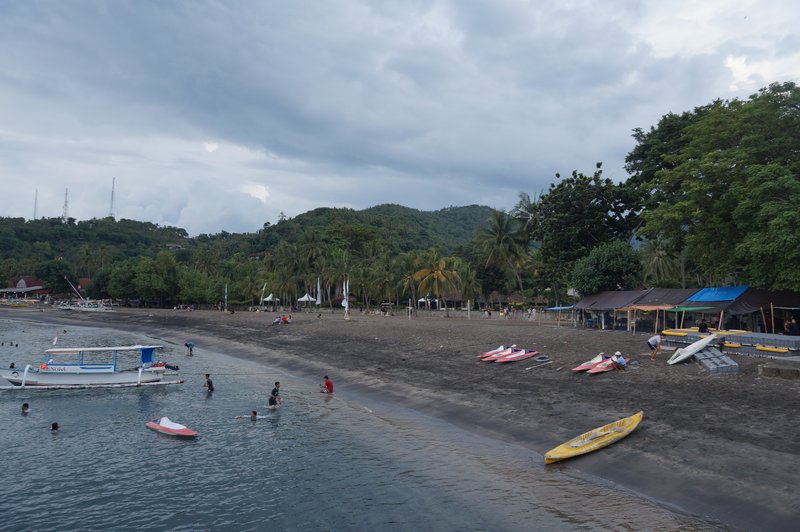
{"x": 82, "y": 367}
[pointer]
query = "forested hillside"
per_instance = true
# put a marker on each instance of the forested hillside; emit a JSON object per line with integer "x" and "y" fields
{"x": 712, "y": 196}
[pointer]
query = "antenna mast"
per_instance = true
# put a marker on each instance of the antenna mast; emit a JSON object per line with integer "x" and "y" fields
{"x": 111, "y": 208}
{"x": 65, "y": 212}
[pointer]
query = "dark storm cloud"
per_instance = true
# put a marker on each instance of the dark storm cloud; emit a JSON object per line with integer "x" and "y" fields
{"x": 219, "y": 115}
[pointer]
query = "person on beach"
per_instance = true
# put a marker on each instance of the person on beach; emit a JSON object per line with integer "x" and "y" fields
{"x": 619, "y": 361}
{"x": 209, "y": 383}
{"x": 275, "y": 395}
{"x": 654, "y": 343}
{"x": 326, "y": 386}
{"x": 25, "y": 409}
{"x": 253, "y": 416}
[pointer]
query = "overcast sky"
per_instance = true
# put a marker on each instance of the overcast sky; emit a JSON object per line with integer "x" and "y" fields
{"x": 221, "y": 115}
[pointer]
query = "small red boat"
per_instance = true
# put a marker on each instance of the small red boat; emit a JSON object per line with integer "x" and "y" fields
{"x": 589, "y": 364}
{"x": 520, "y": 355}
{"x": 165, "y": 425}
{"x": 495, "y": 351}
{"x": 610, "y": 363}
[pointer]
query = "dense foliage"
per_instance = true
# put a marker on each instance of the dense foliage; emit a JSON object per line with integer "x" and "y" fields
{"x": 712, "y": 199}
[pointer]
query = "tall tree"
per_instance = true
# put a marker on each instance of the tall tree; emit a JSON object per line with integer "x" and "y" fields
{"x": 505, "y": 243}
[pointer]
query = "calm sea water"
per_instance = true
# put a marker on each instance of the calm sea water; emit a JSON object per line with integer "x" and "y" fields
{"x": 318, "y": 463}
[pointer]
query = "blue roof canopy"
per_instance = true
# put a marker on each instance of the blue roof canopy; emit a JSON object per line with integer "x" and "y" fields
{"x": 724, "y": 293}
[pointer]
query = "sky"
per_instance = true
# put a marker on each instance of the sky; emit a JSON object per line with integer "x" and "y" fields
{"x": 222, "y": 115}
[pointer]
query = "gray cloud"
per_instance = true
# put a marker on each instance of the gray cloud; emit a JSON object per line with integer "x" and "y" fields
{"x": 347, "y": 103}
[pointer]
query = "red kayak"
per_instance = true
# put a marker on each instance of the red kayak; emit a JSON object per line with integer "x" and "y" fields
{"x": 522, "y": 355}
{"x": 589, "y": 364}
{"x": 496, "y": 351}
{"x": 501, "y": 354}
{"x": 166, "y": 426}
{"x": 609, "y": 364}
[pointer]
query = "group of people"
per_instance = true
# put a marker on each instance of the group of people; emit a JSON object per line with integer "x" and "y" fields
{"x": 275, "y": 398}
{"x": 26, "y": 408}
{"x": 284, "y": 319}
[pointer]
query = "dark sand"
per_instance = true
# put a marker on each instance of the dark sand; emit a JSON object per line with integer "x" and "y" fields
{"x": 725, "y": 448}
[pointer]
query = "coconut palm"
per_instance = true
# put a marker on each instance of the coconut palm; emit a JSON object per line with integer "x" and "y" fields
{"x": 505, "y": 243}
{"x": 436, "y": 274}
{"x": 659, "y": 263}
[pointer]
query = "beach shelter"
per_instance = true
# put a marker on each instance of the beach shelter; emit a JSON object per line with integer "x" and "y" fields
{"x": 718, "y": 297}
{"x": 306, "y": 298}
{"x": 609, "y": 301}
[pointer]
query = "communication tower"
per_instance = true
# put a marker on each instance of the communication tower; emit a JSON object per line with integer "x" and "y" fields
{"x": 65, "y": 212}
{"x": 111, "y": 208}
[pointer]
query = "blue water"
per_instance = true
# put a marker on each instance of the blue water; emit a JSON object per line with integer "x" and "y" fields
{"x": 318, "y": 463}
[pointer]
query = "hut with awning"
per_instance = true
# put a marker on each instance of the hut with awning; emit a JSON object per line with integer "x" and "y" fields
{"x": 603, "y": 306}
{"x": 660, "y": 301}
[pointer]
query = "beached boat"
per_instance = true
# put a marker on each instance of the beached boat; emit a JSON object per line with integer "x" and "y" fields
{"x": 501, "y": 354}
{"x": 93, "y": 366}
{"x": 589, "y": 364}
{"x": 594, "y": 439}
{"x": 520, "y": 355}
{"x": 493, "y": 351}
{"x": 689, "y": 351}
{"x": 608, "y": 364}
{"x": 86, "y": 305}
{"x": 165, "y": 425}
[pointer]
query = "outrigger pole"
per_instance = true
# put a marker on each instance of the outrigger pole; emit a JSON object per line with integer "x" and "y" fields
{"x": 74, "y": 289}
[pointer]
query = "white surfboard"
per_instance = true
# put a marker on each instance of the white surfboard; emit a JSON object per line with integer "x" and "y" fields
{"x": 690, "y": 350}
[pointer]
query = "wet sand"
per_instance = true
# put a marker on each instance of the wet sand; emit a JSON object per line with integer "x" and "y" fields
{"x": 725, "y": 448}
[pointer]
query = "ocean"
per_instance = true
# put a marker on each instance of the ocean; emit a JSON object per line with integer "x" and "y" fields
{"x": 320, "y": 462}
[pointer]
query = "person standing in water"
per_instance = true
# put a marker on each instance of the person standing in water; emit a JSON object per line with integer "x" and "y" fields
{"x": 25, "y": 409}
{"x": 209, "y": 383}
{"x": 275, "y": 395}
{"x": 326, "y": 386}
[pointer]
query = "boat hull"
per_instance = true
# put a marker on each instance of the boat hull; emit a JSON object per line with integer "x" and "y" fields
{"x": 594, "y": 439}
{"x": 40, "y": 378}
{"x": 177, "y": 430}
{"x": 689, "y": 351}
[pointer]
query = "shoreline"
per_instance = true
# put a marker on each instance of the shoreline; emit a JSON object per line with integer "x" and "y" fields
{"x": 720, "y": 448}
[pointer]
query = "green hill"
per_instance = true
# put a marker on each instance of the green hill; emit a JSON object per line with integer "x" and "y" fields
{"x": 399, "y": 228}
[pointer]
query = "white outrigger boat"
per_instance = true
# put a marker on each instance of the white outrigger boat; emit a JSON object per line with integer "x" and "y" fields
{"x": 92, "y": 367}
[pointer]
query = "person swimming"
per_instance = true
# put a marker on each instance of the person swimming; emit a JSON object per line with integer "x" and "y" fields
{"x": 253, "y": 416}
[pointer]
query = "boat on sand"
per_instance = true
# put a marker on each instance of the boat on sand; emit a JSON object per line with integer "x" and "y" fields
{"x": 594, "y": 439}
{"x": 690, "y": 350}
{"x": 589, "y": 364}
{"x": 520, "y": 355}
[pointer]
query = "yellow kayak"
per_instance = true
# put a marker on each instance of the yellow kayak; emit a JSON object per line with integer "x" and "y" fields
{"x": 594, "y": 439}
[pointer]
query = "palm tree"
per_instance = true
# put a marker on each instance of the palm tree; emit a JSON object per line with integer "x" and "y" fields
{"x": 505, "y": 244}
{"x": 658, "y": 262}
{"x": 436, "y": 275}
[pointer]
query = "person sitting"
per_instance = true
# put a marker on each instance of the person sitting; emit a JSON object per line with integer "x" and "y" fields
{"x": 703, "y": 327}
{"x": 277, "y": 320}
{"x": 619, "y": 360}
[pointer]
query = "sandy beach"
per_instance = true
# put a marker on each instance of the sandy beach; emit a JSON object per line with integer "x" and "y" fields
{"x": 725, "y": 448}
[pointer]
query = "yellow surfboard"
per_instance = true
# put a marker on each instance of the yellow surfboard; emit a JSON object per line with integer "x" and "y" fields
{"x": 594, "y": 439}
